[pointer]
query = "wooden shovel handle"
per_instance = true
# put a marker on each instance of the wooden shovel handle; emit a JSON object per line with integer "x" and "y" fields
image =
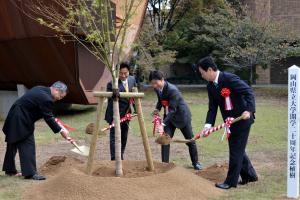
{"x": 237, "y": 119}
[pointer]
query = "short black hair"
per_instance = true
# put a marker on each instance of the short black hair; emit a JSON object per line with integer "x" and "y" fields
{"x": 156, "y": 75}
{"x": 207, "y": 62}
{"x": 125, "y": 65}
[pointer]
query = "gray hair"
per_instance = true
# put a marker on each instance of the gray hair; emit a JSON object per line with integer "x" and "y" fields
{"x": 60, "y": 86}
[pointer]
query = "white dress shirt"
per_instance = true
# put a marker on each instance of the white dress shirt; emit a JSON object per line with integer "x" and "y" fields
{"x": 216, "y": 81}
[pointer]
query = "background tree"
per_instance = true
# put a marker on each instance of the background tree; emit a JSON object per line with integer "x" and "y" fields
{"x": 150, "y": 54}
{"x": 236, "y": 41}
{"x": 91, "y": 23}
{"x": 154, "y": 47}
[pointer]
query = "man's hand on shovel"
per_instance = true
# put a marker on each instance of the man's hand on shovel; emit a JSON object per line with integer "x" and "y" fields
{"x": 82, "y": 150}
{"x": 246, "y": 115}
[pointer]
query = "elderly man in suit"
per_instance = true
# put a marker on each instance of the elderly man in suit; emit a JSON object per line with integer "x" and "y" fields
{"x": 126, "y": 83}
{"x": 18, "y": 128}
{"x": 234, "y": 98}
{"x": 177, "y": 115}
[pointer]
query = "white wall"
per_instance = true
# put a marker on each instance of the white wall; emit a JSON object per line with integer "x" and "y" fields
{"x": 7, "y": 98}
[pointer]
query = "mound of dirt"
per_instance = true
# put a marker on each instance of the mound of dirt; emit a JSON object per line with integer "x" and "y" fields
{"x": 216, "y": 173}
{"x": 131, "y": 169}
{"x": 57, "y": 163}
{"x": 167, "y": 182}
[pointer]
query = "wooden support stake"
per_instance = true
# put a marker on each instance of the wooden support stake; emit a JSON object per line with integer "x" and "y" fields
{"x": 93, "y": 144}
{"x": 143, "y": 132}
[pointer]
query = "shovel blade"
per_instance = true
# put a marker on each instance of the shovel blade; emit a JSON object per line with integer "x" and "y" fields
{"x": 163, "y": 139}
{"x": 83, "y": 150}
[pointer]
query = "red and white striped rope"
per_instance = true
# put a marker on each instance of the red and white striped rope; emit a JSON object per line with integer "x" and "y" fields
{"x": 63, "y": 125}
{"x": 225, "y": 125}
{"x": 66, "y": 127}
{"x": 157, "y": 125}
{"x": 127, "y": 117}
{"x": 71, "y": 140}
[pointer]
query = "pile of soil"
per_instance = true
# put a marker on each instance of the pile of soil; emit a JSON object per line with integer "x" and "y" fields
{"x": 69, "y": 182}
{"x": 131, "y": 169}
{"x": 90, "y": 128}
{"x": 216, "y": 173}
{"x": 57, "y": 163}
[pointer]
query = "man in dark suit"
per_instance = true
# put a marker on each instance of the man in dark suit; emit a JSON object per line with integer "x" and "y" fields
{"x": 234, "y": 98}
{"x": 18, "y": 128}
{"x": 177, "y": 115}
{"x": 126, "y": 83}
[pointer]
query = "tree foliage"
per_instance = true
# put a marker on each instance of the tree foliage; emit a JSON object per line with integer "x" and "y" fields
{"x": 93, "y": 24}
{"x": 235, "y": 41}
{"x": 150, "y": 54}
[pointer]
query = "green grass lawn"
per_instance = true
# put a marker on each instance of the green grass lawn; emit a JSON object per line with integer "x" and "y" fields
{"x": 266, "y": 146}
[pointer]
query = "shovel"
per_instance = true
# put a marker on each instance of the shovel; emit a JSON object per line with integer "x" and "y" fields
{"x": 165, "y": 139}
{"x": 82, "y": 150}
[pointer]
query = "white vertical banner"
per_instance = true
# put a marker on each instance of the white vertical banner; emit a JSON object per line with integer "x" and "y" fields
{"x": 293, "y": 132}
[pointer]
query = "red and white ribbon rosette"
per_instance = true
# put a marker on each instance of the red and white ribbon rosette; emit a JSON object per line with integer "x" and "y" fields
{"x": 225, "y": 92}
{"x": 157, "y": 125}
{"x": 226, "y": 125}
{"x": 165, "y": 104}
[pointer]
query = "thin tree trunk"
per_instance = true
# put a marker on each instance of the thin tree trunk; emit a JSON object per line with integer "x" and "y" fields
{"x": 116, "y": 117}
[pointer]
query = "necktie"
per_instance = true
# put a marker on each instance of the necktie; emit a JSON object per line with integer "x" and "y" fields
{"x": 126, "y": 86}
{"x": 216, "y": 84}
{"x": 160, "y": 93}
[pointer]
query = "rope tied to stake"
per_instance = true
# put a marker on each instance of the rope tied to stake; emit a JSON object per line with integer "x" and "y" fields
{"x": 115, "y": 94}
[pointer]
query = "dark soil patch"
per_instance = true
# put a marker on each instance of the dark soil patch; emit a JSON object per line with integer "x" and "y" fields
{"x": 216, "y": 173}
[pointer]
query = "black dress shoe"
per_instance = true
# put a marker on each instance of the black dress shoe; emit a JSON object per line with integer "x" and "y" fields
{"x": 36, "y": 177}
{"x": 223, "y": 186}
{"x": 246, "y": 181}
{"x": 197, "y": 166}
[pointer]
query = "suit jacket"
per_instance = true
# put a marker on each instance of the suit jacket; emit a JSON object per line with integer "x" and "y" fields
{"x": 178, "y": 111}
{"x": 123, "y": 102}
{"x": 242, "y": 97}
{"x": 37, "y": 103}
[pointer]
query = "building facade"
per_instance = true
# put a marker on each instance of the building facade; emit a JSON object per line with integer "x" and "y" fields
{"x": 287, "y": 13}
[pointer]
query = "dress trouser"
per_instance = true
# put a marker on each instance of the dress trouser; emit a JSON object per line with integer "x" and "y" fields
{"x": 239, "y": 163}
{"x": 26, "y": 149}
{"x": 124, "y": 135}
{"x": 188, "y": 134}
